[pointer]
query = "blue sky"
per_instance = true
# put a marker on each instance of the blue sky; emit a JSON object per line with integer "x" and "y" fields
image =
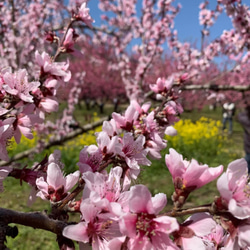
{"x": 186, "y": 22}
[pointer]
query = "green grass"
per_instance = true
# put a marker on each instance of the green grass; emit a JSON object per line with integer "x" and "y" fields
{"x": 156, "y": 177}
{"x": 15, "y": 197}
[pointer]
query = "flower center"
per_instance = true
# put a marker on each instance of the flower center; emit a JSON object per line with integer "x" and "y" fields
{"x": 247, "y": 190}
{"x": 145, "y": 224}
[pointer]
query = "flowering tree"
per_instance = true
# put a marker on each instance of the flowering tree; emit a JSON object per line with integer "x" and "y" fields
{"x": 114, "y": 214}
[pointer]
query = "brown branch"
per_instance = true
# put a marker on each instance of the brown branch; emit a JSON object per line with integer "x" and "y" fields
{"x": 50, "y": 144}
{"x": 32, "y": 219}
{"x": 60, "y": 44}
{"x": 208, "y": 86}
{"x": 216, "y": 87}
{"x": 179, "y": 213}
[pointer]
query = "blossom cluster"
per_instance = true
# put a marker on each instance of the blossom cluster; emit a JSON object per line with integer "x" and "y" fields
{"x": 25, "y": 103}
{"x": 115, "y": 214}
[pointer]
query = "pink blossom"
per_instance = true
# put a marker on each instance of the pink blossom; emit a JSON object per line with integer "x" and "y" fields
{"x": 59, "y": 69}
{"x": 134, "y": 152}
{"x": 154, "y": 141}
{"x": 110, "y": 127}
{"x": 6, "y": 132}
{"x": 24, "y": 122}
{"x": 103, "y": 190}
{"x": 90, "y": 159}
{"x": 144, "y": 229}
{"x": 56, "y": 158}
{"x": 4, "y": 171}
{"x": 3, "y": 71}
{"x": 3, "y": 111}
{"x": 155, "y": 145}
{"x": 48, "y": 105}
{"x": 56, "y": 186}
{"x": 109, "y": 147}
{"x": 239, "y": 237}
{"x": 17, "y": 84}
{"x": 216, "y": 238}
{"x": 95, "y": 227}
{"x": 126, "y": 122}
{"x": 234, "y": 189}
{"x": 83, "y": 15}
{"x": 45, "y": 103}
{"x": 171, "y": 111}
{"x": 171, "y": 131}
{"x": 142, "y": 110}
{"x": 237, "y": 233}
{"x": 52, "y": 84}
{"x": 37, "y": 171}
{"x": 188, "y": 175}
{"x": 69, "y": 42}
{"x": 162, "y": 85}
{"x": 193, "y": 230}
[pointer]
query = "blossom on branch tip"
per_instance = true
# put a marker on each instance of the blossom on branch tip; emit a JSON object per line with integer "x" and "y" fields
{"x": 126, "y": 121}
{"x": 188, "y": 175}
{"x": 171, "y": 111}
{"x": 56, "y": 186}
{"x": 39, "y": 170}
{"x": 68, "y": 43}
{"x": 83, "y": 15}
{"x": 44, "y": 103}
{"x": 48, "y": 104}
{"x": 162, "y": 85}
{"x": 57, "y": 69}
{"x": 17, "y": 84}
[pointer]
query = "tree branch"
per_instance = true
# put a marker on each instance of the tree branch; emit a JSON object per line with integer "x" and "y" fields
{"x": 208, "y": 86}
{"x": 32, "y": 219}
{"x": 216, "y": 87}
{"x": 60, "y": 141}
{"x": 188, "y": 211}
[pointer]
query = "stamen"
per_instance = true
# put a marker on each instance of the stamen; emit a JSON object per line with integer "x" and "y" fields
{"x": 247, "y": 190}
